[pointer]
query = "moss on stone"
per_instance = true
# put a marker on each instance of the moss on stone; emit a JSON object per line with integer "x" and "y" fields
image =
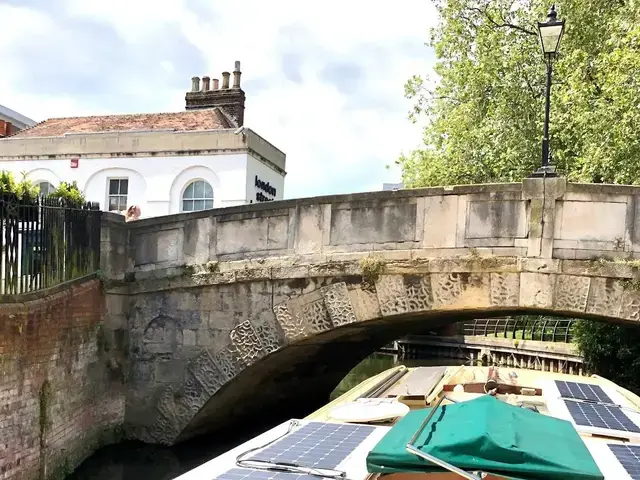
{"x": 189, "y": 269}
{"x": 372, "y": 267}
{"x": 631, "y": 284}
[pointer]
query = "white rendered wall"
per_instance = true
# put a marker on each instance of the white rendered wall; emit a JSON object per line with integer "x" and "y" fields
{"x": 266, "y": 174}
{"x": 156, "y": 183}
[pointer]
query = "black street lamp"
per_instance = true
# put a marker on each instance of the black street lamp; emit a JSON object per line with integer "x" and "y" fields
{"x": 550, "y": 33}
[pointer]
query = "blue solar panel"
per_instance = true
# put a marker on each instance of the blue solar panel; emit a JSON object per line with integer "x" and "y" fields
{"x": 251, "y": 474}
{"x": 629, "y": 458}
{"x": 583, "y": 391}
{"x": 317, "y": 444}
{"x": 600, "y": 416}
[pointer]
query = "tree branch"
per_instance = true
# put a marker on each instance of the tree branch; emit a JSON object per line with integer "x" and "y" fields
{"x": 504, "y": 24}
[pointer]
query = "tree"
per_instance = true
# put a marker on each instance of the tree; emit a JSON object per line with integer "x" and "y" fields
{"x": 485, "y": 114}
{"x": 611, "y": 350}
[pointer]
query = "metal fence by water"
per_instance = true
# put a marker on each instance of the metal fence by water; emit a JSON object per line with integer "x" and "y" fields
{"x": 543, "y": 329}
{"x": 45, "y": 242}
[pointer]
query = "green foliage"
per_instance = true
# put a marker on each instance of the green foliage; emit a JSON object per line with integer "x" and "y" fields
{"x": 612, "y": 351}
{"x": 7, "y": 182}
{"x": 24, "y": 189}
{"x": 485, "y": 115}
{"x": 68, "y": 192}
{"x": 372, "y": 267}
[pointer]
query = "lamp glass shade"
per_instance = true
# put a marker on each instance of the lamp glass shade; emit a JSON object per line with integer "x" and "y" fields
{"x": 550, "y": 35}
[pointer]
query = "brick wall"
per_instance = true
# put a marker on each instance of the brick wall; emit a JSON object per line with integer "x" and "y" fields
{"x": 7, "y": 128}
{"x": 60, "y": 395}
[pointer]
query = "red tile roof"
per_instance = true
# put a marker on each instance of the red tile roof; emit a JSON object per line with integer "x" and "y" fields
{"x": 202, "y": 119}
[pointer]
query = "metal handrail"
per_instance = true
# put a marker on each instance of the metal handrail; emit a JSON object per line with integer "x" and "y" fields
{"x": 556, "y": 330}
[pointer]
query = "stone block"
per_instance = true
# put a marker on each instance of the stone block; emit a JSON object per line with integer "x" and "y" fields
{"x": 373, "y": 223}
{"x": 591, "y": 221}
{"x": 536, "y": 290}
{"x": 496, "y": 219}
{"x": 197, "y": 237}
{"x": 189, "y": 337}
{"x": 169, "y": 371}
{"x": 248, "y": 235}
{"x": 157, "y": 246}
{"x": 440, "y": 221}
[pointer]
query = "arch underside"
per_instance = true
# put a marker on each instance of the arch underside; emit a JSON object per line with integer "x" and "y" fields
{"x": 295, "y": 357}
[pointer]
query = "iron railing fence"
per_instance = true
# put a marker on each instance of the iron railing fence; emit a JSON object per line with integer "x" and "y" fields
{"x": 46, "y": 241}
{"x": 542, "y": 328}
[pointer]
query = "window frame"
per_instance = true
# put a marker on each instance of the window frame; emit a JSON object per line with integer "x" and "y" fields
{"x": 117, "y": 195}
{"x": 194, "y": 198}
{"x": 40, "y": 182}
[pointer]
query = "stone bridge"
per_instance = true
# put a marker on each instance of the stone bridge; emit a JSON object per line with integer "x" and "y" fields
{"x": 231, "y": 313}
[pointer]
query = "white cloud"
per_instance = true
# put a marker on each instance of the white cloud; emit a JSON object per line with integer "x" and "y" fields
{"x": 327, "y": 77}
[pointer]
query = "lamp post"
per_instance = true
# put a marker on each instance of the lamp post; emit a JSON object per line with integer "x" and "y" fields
{"x": 550, "y": 33}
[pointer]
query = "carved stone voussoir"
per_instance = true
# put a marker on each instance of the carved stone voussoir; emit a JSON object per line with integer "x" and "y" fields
{"x": 229, "y": 362}
{"x": 505, "y": 289}
{"x": 338, "y": 304}
{"x": 605, "y": 296}
{"x": 536, "y": 289}
{"x": 247, "y": 342}
{"x": 290, "y": 321}
{"x": 460, "y": 290}
{"x": 630, "y": 309}
{"x": 208, "y": 374}
{"x": 195, "y": 395}
{"x": 419, "y": 293}
{"x": 270, "y": 334}
{"x": 571, "y": 293}
{"x": 164, "y": 430}
{"x": 316, "y": 317}
{"x": 392, "y": 295}
{"x": 365, "y": 303}
{"x": 173, "y": 407}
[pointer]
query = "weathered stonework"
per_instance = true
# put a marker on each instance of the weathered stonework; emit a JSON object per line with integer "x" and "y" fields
{"x": 410, "y": 291}
{"x": 250, "y": 307}
{"x": 61, "y": 394}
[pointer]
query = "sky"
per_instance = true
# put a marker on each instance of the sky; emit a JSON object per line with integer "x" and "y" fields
{"x": 324, "y": 80}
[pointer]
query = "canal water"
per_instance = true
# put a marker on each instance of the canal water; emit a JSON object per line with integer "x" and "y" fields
{"x": 135, "y": 461}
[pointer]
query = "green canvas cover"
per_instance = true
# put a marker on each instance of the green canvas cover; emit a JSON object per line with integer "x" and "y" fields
{"x": 488, "y": 435}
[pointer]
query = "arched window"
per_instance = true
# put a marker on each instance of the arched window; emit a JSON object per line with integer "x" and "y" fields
{"x": 197, "y": 196}
{"x": 45, "y": 187}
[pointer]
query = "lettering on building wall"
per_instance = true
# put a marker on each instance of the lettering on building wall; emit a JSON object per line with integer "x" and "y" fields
{"x": 265, "y": 187}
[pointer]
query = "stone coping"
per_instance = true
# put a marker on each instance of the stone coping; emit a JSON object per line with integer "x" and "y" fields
{"x": 341, "y": 265}
{"x": 382, "y": 196}
{"x": 46, "y": 292}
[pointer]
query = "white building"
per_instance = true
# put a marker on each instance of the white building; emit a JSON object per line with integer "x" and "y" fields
{"x": 165, "y": 163}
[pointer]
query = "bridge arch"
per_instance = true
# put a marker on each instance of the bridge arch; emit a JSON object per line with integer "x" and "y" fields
{"x": 343, "y": 303}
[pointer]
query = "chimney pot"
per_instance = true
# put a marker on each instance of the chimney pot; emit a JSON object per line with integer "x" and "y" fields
{"x": 225, "y": 79}
{"x": 236, "y": 75}
{"x": 216, "y": 84}
{"x": 205, "y": 84}
{"x": 195, "y": 84}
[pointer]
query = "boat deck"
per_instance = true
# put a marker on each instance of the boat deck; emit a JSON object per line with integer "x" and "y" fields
{"x": 605, "y": 416}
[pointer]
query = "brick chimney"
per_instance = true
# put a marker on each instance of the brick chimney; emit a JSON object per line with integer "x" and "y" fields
{"x": 229, "y": 98}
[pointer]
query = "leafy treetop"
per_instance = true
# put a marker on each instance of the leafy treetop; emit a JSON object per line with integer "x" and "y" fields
{"x": 27, "y": 190}
{"x": 485, "y": 114}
